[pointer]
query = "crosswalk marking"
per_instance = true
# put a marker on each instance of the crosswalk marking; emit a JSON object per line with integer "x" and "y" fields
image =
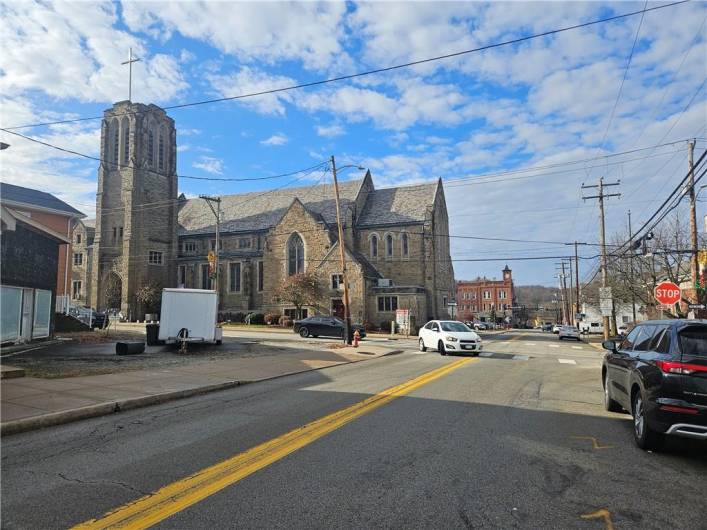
{"x": 520, "y": 357}
{"x": 567, "y": 361}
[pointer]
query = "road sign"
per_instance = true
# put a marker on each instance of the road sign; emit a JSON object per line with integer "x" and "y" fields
{"x": 606, "y": 304}
{"x": 696, "y": 306}
{"x": 667, "y": 293}
{"x": 452, "y": 304}
{"x": 702, "y": 257}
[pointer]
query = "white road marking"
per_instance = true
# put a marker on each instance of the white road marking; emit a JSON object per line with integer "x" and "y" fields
{"x": 485, "y": 354}
{"x": 567, "y": 361}
{"x": 554, "y": 346}
{"x": 520, "y": 357}
{"x": 576, "y": 347}
{"x": 529, "y": 343}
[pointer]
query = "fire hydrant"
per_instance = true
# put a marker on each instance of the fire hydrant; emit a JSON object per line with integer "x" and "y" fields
{"x": 356, "y": 337}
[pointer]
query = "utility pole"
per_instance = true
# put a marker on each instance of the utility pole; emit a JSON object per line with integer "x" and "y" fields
{"x": 217, "y": 212}
{"x": 576, "y": 274}
{"x": 573, "y": 311}
{"x": 563, "y": 289}
{"x": 342, "y": 255}
{"x": 693, "y": 220}
{"x": 602, "y": 233}
{"x": 633, "y": 293}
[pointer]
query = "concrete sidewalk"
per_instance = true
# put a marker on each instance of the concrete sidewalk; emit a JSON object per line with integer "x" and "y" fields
{"x": 31, "y": 403}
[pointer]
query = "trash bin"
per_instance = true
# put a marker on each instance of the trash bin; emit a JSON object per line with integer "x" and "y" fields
{"x": 153, "y": 333}
{"x": 129, "y": 348}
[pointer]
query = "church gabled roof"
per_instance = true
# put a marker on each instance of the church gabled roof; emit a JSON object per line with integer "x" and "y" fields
{"x": 262, "y": 210}
{"x": 404, "y": 204}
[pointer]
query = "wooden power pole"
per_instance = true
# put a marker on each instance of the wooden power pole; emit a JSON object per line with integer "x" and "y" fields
{"x": 602, "y": 234}
{"x": 693, "y": 221}
{"x": 217, "y": 213}
{"x": 342, "y": 256}
{"x": 633, "y": 291}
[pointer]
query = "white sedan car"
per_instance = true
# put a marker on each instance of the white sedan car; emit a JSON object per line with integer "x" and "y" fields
{"x": 449, "y": 336}
{"x": 569, "y": 332}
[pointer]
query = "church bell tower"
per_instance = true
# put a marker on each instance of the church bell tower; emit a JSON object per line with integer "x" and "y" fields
{"x": 136, "y": 207}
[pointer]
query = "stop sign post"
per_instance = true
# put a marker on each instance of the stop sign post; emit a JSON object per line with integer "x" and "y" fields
{"x": 667, "y": 293}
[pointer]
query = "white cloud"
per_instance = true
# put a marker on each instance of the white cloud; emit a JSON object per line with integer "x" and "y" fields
{"x": 248, "y": 80}
{"x": 209, "y": 164}
{"x": 251, "y": 31}
{"x": 276, "y": 139}
{"x": 330, "y": 131}
{"x": 73, "y": 53}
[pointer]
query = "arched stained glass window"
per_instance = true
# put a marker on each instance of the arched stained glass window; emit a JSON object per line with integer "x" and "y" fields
{"x": 389, "y": 246}
{"x": 405, "y": 245}
{"x": 151, "y": 148}
{"x": 374, "y": 246}
{"x": 295, "y": 255}
{"x": 126, "y": 141}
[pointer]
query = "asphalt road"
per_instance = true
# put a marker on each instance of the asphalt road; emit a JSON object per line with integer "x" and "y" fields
{"x": 515, "y": 439}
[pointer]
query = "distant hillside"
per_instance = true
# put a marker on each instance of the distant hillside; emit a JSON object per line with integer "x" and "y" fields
{"x": 534, "y": 295}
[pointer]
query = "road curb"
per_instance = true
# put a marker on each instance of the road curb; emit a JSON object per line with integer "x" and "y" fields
{"x": 112, "y": 407}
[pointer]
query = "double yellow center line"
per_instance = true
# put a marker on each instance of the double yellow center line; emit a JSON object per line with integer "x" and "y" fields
{"x": 175, "y": 497}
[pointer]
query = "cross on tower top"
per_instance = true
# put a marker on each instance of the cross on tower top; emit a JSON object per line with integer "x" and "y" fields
{"x": 130, "y": 62}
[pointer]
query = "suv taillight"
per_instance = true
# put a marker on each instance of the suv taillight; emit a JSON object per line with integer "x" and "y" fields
{"x": 674, "y": 367}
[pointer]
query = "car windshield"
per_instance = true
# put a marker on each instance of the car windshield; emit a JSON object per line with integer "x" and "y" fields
{"x": 454, "y": 327}
{"x": 693, "y": 341}
{"x": 568, "y": 328}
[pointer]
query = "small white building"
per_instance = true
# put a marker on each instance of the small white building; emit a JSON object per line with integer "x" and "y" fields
{"x": 592, "y": 319}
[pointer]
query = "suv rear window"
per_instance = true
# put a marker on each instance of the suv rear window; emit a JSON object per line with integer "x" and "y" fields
{"x": 693, "y": 340}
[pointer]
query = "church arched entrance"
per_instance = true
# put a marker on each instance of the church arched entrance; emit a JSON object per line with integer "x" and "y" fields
{"x": 113, "y": 291}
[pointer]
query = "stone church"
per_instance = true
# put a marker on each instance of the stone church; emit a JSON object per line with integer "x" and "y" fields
{"x": 396, "y": 239}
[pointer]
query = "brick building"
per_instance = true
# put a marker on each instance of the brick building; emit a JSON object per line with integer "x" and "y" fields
{"x": 478, "y": 299}
{"x": 52, "y": 213}
{"x": 397, "y": 254}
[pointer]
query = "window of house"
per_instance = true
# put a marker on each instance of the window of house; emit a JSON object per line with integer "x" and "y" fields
{"x": 245, "y": 242}
{"x": 292, "y": 313}
{"x": 189, "y": 247}
{"x": 234, "y": 277}
{"x": 405, "y": 244}
{"x": 473, "y": 295}
{"x": 337, "y": 280}
{"x": 212, "y": 244}
{"x": 78, "y": 258}
{"x": 624, "y": 319}
{"x": 78, "y": 239}
{"x": 206, "y": 281}
{"x": 261, "y": 275}
{"x": 182, "y": 275}
{"x": 120, "y": 232}
{"x": 487, "y": 295}
{"x": 295, "y": 255}
{"x": 374, "y": 246}
{"x": 444, "y": 301}
{"x": 259, "y": 243}
{"x": 115, "y": 234}
{"x": 76, "y": 289}
{"x": 154, "y": 258}
{"x": 387, "y": 303}
{"x": 389, "y": 246}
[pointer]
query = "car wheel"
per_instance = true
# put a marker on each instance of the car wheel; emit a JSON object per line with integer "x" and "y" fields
{"x": 303, "y": 332}
{"x": 422, "y": 345}
{"x": 440, "y": 348}
{"x": 609, "y": 404}
{"x": 645, "y": 437}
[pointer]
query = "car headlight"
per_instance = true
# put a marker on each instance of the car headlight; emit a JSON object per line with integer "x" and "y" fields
{"x": 451, "y": 339}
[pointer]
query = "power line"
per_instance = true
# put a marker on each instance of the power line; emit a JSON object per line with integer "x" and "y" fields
{"x": 381, "y": 70}
{"x": 118, "y": 165}
{"x": 623, "y": 80}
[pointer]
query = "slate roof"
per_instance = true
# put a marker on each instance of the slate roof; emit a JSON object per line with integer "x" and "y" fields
{"x": 263, "y": 210}
{"x": 405, "y": 204}
{"x": 31, "y": 197}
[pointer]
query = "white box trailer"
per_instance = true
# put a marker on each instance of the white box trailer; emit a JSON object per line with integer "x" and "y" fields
{"x": 189, "y": 315}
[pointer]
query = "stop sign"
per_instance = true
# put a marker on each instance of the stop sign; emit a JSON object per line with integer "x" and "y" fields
{"x": 667, "y": 293}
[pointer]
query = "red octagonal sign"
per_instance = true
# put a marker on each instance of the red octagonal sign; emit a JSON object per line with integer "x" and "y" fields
{"x": 667, "y": 293}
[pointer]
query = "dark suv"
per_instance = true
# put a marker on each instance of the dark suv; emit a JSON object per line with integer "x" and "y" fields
{"x": 658, "y": 373}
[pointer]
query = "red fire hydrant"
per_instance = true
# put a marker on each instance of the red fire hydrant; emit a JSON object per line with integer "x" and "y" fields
{"x": 356, "y": 337}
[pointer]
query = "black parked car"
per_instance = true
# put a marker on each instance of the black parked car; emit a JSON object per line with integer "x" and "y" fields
{"x": 658, "y": 373}
{"x": 325, "y": 326}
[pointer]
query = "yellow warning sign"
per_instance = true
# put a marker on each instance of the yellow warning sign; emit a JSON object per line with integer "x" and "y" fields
{"x": 212, "y": 257}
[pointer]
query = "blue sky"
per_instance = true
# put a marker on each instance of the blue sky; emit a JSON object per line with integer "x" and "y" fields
{"x": 544, "y": 102}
